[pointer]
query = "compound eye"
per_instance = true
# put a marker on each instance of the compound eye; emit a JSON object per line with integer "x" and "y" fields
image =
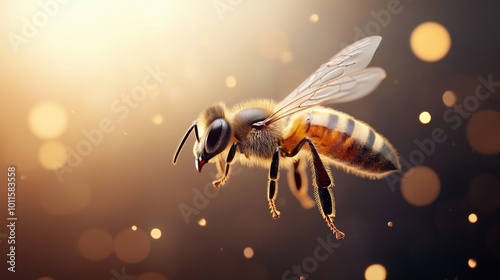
{"x": 216, "y": 137}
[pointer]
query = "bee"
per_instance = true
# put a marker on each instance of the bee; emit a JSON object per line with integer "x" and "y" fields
{"x": 298, "y": 131}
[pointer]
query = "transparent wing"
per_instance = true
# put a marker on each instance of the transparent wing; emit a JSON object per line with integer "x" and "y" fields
{"x": 343, "y": 78}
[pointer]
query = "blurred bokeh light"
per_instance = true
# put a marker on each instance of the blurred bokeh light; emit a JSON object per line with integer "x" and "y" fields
{"x": 202, "y": 222}
{"x": 132, "y": 246}
{"x": 420, "y": 186}
{"x": 425, "y": 117}
{"x": 430, "y": 41}
{"x": 231, "y": 81}
{"x": 97, "y": 94}
{"x": 95, "y": 244}
{"x": 375, "y": 272}
{"x": 314, "y": 18}
{"x": 248, "y": 252}
{"x": 483, "y": 132}
{"x": 52, "y": 155}
{"x": 156, "y": 233}
{"x": 48, "y": 120}
{"x": 449, "y": 98}
{"x": 472, "y": 263}
{"x": 472, "y": 218}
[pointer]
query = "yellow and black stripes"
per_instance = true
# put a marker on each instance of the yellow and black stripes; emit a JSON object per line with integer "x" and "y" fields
{"x": 347, "y": 141}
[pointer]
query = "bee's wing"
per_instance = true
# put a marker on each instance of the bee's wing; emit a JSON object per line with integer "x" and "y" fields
{"x": 343, "y": 78}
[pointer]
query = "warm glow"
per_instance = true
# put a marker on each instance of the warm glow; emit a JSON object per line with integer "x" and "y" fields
{"x": 52, "y": 155}
{"x": 375, "y": 272}
{"x": 202, "y": 222}
{"x": 483, "y": 132}
{"x": 230, "y": 81}
{"x": 424, "y": 117}
{"x": 420, "y": 186}
{"x": 472, "y": 218}
{"x": 47, "y": 120}
{"x": 134, "y": 228}
{"x": 286, "y": 56}
{"x": 390, "y": 224}
{"x": 95, "y": 244}
{"x": 132, "y": 246}
{"x": 472, "y": 263}
{"x": 157, "y": 119}
{"x": 156, "y": 233}
{"x": 248, "y": 252}
{"x": 449, "y": 98}
{"x": 314, "y": 18}
{"x": 272, "y": 43}
{"x": 430, "y": 41}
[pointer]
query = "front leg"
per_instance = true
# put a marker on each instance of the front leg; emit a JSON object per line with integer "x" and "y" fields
{"x": 224, "y": 171}
{"x": 272, "y": 184}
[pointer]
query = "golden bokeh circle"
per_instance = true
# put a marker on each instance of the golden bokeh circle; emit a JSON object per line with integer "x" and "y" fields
{"x": 132, "y": 246}
{"x": 430, "y": 41}
{"x": 472, "y": 218}
{"x": 157, "y": 119}
{"x": 420, "y": 186}
{"x": 155, "y": 233}
{"x": 472, "y": 263}
{"x": 375, "y": 272}
{"x": 425, "y": 117}
{"x": 248, "y": 252}
{"x": 47, "y": 120}
{"x": 314, "y": 18}
{"x": 95, "y": 244}
{"x": 449, "y": 98}
{"x": 231, "y": 81}
{"x": 52, "y": 155}
{"x": 286, "y": 56}
{"x": 202, "y": 222}
{"x": 483, "y": 132}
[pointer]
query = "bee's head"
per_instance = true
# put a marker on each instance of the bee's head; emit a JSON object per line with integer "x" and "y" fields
{"x": 212, "y": 132}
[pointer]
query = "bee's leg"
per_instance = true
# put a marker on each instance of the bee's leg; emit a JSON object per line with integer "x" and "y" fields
{"x": 224, "y": 172}
{"x": 297, "y": 179}
{"x": 272, "y": 185}
{"x": 322, "y": 186}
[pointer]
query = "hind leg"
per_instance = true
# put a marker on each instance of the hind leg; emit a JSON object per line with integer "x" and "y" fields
{"x": 323, "y": 184}
{"x": 297, "y": 180}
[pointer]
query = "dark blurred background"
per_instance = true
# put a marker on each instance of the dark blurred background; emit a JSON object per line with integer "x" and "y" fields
{"x": 97, "y": 94}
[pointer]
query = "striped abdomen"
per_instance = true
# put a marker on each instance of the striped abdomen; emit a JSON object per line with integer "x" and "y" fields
{"x": 349, "y": 143}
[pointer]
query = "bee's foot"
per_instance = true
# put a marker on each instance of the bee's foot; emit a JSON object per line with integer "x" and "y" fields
{"x": 335, "y": 230}
{"x": 275, "y": 213}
